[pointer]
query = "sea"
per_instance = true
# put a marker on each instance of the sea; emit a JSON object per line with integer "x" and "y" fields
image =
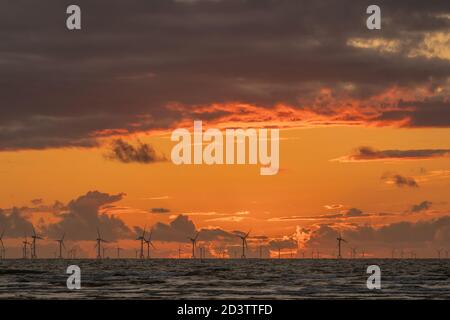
{"x": 283, "y": 279}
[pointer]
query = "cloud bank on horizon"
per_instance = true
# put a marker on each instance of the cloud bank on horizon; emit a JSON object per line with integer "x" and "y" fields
{"x": 83, "y": 215}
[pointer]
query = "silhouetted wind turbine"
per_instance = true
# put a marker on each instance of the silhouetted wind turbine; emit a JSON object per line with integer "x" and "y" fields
{"x": 25, "y": 247}
{"x": 118, "y": 252}
{"x": 393, "y": 253}
{"x": 194, "y": 241}
{"x": 61, "y": 245}
{"x": 439, "y": 253}
{"x": 99, "y": 244}
{"x": 149, "y": 243}
{"x": 142, "y": 239}
{"x": 33, "y": 244}
{"x": 2, "y": 249}
{"x": 353, "y": 252}
{"x": 340, "y": 239}
{"x": 244, "y": 243}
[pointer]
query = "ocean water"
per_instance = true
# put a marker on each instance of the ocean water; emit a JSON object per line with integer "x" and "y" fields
{"x": 225, "y": 279}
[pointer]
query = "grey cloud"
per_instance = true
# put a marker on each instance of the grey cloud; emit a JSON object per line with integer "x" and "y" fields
{"x": 400, "y": 181}
{"x": 125, "y": 152}
{"x": 420, "y": 234}
{"x": 160, "y": 210}
{"x": 83, "y": 217}
{"x": 182, "y": 228}
{"x": 424, "y": 205}
{"x": 14, "y": 223}
{"x": 177, "y": 230}
{"x": 369, "y": 153}
{"x": 281, "y": 244}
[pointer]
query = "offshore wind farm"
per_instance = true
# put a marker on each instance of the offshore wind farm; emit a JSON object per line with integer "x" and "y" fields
{"x": 194, "y": 275}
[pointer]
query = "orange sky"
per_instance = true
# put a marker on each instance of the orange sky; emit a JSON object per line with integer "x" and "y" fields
{"x": 236, "y": 197}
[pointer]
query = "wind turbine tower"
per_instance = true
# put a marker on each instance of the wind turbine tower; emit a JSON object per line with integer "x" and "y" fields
{"x": 2, "y": 248}
{"x": 99, "y": 244}
{"x": 142, "y": 239}
{"x": 194, "y": 242}
{"x": 25, "y": 248}
{"x": 33, "y": 243}
{"x": 61, "y": 245}
{"x": 339, "y": 240}
{"x": 149, "y": 243}
{"x": 244, "y": 243}
{"x": 118, "y": 252}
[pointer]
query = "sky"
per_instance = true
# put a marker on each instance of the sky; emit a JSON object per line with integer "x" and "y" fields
{"x": 364, "y": 116}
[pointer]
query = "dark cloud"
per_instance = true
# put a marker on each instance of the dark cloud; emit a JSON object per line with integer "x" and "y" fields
{"x": 121, "y": 77}
{"x": 160, "y": 210}
{"x": 371, "y": 154}
{"x": 125, "y": 152}
{"x": 424, "y": 205}
{"x": 348, "y": 214}
{"x": 182, "y": 228}
{"x": 84, "y": 217}
{"x": 15, "y": 223}
{"x": 399, "y": 180}
{"x": 281, "y": 244}
{"x": 414, "y": 234}
{"x": 37, "y": 201}
{"x": 178, "y": 230}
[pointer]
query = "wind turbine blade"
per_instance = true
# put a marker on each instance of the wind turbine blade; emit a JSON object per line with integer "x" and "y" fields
{"x": 64, "y": 234}
{"x": 152, "y": 245}
{"x": 196, "y": 236}
{"x": 98, "y": 233}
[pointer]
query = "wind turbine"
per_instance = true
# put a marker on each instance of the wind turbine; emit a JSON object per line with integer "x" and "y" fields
{"x": 33, "y": 244}
{"x": 2, "y": 249}
{"x": 61, "y": 245}
{"x": 340, "y": 239}
{"x": 439, "y": 253}
{"x": 142, "y": 239}
{"x": 118, "y": 252}
{"x": 98, "y": 245}
{"x": 194, "y": 241}
{"x": 25, "y": 246}
{"x": 353, "y": 252}
{"x": 244, "y": 243}
{"x": 149, "y": 243}
{"x": 393, "y": 253}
